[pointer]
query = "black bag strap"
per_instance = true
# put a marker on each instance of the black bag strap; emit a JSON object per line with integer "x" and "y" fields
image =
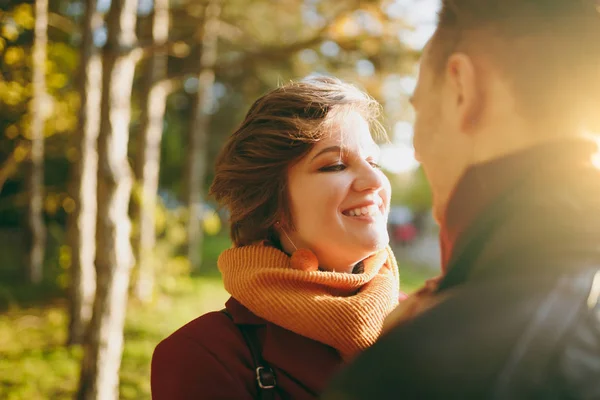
{"x": 265, "y": 377}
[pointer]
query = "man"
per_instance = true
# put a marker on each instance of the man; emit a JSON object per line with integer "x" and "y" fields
{"x": 506, "y": 90}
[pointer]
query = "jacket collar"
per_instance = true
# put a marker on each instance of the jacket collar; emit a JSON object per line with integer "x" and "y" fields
{"x": 306, "y": 361}
{"x": 241, "y": 315}
{"x": 475, "y": 210}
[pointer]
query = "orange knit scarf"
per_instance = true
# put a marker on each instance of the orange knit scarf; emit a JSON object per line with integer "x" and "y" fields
{"x": 342, "y": 310}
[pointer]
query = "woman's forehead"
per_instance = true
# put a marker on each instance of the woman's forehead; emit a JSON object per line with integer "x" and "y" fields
{"x": 341, "y": 146}
{"x": 350, "y": 135}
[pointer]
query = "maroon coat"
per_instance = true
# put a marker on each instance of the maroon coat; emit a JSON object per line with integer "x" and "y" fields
{"x": 209, "y": 359}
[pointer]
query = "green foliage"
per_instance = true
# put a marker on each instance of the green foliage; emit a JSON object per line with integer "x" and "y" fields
{"x": 35, "y": 364}
{"x": 413, "y": 277}
{"x": 415, "y": 192}
{"x": 213, "y": 246}
{"x": 14, "y": 289}
{"x": 61, "y": 105}
{"x": 170, "y": 247}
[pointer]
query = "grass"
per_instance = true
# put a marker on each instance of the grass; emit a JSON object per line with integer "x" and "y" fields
{"x": 412, "y": 278}
{"x": 35, "y": 364}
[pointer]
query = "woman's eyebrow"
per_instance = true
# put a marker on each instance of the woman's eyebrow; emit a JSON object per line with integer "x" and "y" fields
{"x": 330, "y": 149}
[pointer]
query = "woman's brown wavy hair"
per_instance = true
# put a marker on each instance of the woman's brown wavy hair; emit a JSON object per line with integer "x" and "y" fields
{"x": 279, "y": 129}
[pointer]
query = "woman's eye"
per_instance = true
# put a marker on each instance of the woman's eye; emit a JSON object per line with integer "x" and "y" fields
{"x": 333, "y": 168}
{"x": 374, "y": 165}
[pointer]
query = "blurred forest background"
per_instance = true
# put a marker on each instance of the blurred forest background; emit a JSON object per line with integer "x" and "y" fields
{"x": 112, "y": 113}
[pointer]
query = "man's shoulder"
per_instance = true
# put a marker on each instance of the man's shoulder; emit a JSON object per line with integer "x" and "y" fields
{"x": 452, "y": 349}
{"x": 576, "y": 364}
{"x": 484, "y": 317}
{"x": 458, "y": 348}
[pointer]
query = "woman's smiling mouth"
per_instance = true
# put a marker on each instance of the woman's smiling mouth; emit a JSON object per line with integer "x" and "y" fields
{"x": 366, "y": 210}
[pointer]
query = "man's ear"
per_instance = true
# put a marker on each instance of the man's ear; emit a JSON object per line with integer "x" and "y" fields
{"x": 467, "y": 96}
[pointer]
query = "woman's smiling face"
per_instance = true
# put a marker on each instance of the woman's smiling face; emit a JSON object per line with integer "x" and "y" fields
{"x": 339, "y": 198}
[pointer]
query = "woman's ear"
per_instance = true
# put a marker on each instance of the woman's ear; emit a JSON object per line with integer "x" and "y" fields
{"x": 467, "y": 98}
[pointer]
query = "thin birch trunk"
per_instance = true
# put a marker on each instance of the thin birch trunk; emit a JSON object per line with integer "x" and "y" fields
{"x": 198, "y": 134}
{"x": 114, "y": 258}
{"x": 36, "y": 226}
{"x": 147, "y": 167}
{"x": 82, "y": 222}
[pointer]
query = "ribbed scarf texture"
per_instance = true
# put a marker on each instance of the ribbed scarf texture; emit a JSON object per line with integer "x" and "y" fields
{"x": 345, "y": 311}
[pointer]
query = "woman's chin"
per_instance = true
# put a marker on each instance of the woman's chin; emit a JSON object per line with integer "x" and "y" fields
{"x": 374, "y": 244}
{"x": 378, "y": 242}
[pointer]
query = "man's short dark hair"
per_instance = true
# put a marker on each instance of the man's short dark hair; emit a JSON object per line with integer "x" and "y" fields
{"x": 549, "y": 49}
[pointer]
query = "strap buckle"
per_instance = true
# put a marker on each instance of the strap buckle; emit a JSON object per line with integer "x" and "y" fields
{"x": 265, "y": 378}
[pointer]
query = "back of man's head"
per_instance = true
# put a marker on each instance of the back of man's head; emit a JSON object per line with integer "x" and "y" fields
{"x": 548, "y": 49}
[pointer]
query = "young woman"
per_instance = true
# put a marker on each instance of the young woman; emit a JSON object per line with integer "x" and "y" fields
{"x": 310, "y": 275}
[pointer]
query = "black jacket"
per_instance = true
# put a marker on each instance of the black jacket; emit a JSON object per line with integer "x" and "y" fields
{"x": 521, "y": 319}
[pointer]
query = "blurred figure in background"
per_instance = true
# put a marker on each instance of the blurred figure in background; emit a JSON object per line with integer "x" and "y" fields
{"x": 310, "y": 274}
{"x": 401, "y": 226}
{"x": 505, "y": 93}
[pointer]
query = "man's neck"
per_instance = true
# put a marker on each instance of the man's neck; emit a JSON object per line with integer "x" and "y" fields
{"x": 544, "y": 172}
{"x": 498, "y": 141}
{"x": 513, "y": 136}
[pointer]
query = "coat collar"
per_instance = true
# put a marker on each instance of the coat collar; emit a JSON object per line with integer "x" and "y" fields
{"x": 304, "y": 360}
{"x": 491, "y": 195}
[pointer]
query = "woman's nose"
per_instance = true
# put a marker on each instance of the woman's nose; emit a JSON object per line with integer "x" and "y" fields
{"x": 368, "y": 178}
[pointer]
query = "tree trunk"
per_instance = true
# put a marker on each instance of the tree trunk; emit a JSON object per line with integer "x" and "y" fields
{"x": 114, "y": 258}
{"x": 147, "y": 167}
{"x": 36, "y": 227}
{"x": 198, "y": 134}
{"x": 82, "y": 222}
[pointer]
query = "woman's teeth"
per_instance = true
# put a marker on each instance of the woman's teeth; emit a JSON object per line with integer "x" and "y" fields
{"x": 371, "y": 210}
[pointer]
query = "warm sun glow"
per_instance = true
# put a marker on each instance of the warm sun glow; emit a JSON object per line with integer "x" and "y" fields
{"x": 596, "y": 156}
{"x": 596, "y": 160}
